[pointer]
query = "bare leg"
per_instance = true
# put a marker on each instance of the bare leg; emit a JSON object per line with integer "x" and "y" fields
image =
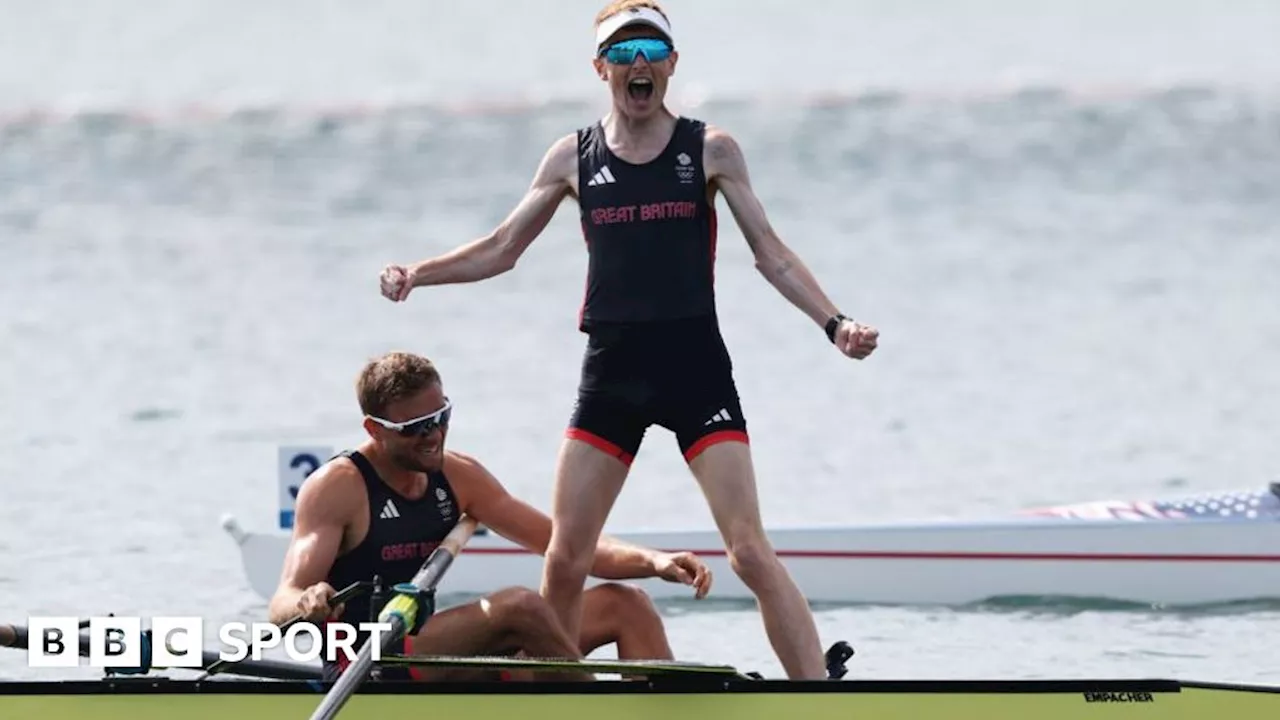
{"x": 588, "y": 481}
{"x": 510, "y": 621}
{"x": 725, "y": 473}
{"x": 623, "y": 615}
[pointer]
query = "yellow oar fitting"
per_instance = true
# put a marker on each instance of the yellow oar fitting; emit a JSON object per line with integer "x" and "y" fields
{"x": 412, "y": 605}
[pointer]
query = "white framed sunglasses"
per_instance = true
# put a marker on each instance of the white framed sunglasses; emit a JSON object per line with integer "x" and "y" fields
{"x": 420, "y": 425}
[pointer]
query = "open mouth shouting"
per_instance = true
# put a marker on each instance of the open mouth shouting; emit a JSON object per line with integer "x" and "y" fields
{"x": 640, "y": 88}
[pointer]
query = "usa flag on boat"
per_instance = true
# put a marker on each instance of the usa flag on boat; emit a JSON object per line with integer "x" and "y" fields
{"x": 1241, "y": 505}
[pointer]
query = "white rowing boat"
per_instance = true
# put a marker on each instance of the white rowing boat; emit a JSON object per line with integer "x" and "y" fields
{"x": 1199, "y": 549}
{"x": 672, "y": 689}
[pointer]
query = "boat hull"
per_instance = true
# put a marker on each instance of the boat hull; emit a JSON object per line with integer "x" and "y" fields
{"x": 1173, "y": 562}
{"x": 1210, "y": 548}
{"x": 762, "y": 700}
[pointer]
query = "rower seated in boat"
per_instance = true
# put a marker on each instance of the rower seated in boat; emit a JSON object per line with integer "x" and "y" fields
{"x": 379, "y": 510}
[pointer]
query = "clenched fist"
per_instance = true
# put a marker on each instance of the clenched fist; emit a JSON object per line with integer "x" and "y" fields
{"x": 313, "y": 604}
{"x": 396, "y": 282}
{"x": 855, "y": 339}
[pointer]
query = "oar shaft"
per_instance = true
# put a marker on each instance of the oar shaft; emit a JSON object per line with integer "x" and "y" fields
{"x": 401, "y": 613}
{"x": 218, "y": 665}
{"x": 17, "y": 636}
{"x": 456, "y": 539}
{"x": 405, "y": 608}
{"x": 266, "y": 669}
{"x": 351, "y": 678}
{"x": 623, "y": 667}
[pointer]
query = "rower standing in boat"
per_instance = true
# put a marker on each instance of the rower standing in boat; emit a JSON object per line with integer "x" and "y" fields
{"x": 646, "y": 182}
{"x": 381, "y": 509}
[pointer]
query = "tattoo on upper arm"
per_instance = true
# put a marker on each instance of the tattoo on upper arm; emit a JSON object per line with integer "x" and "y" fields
{"x": 785, "y": 267}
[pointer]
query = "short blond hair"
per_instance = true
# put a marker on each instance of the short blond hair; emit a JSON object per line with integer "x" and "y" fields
{"x": 618, "y": 6}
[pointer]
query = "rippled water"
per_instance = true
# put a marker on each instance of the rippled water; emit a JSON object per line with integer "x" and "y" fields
{"x": 1075, "y": 283}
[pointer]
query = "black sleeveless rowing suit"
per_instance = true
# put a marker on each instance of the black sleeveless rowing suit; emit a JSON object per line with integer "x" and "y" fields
{"x": 654, "y": 354}
{"x": 402, "y": 533}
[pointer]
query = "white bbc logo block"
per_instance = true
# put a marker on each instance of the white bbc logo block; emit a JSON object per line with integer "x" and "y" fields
{"x": 115, "y": 642}
{"x": 53, "y": 642}
{"x": 177, "y": 642}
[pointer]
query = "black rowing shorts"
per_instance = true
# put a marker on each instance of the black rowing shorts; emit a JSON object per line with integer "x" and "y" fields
{"x": 676, "y": 374}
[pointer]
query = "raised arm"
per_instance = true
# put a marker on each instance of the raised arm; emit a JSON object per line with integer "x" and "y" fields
{"x": 490, "y": 503}
{"x": 726, "y": 169}
{"x": 498, "y": 251}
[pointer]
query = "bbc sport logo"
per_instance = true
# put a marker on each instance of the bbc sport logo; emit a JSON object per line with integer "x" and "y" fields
{"x": 178, "y": 642}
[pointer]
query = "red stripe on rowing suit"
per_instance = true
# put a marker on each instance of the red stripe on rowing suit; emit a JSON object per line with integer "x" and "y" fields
{"x": 913, "y": 555}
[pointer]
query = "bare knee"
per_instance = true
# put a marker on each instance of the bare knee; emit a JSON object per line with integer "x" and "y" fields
{"x": 565, "y": 563}
{"x": 624, "y": 603}
{"x": 517, "y": 607}
{"x": 752, "y": 558}
{"x": 588, "y": 481}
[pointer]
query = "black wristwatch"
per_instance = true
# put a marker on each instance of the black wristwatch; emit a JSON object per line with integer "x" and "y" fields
{"x": 834, "y": 324}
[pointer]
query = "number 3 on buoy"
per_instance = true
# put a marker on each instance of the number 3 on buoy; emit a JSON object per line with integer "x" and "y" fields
{"x": 295, "y": 465}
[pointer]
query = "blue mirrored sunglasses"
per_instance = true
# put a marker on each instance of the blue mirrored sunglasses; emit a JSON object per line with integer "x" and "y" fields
{"x": 625, "y": 52}
{"x": 419, "y": 426}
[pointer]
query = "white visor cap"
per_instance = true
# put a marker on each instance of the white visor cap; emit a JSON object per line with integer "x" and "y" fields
{"x": 633, "y": 16}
